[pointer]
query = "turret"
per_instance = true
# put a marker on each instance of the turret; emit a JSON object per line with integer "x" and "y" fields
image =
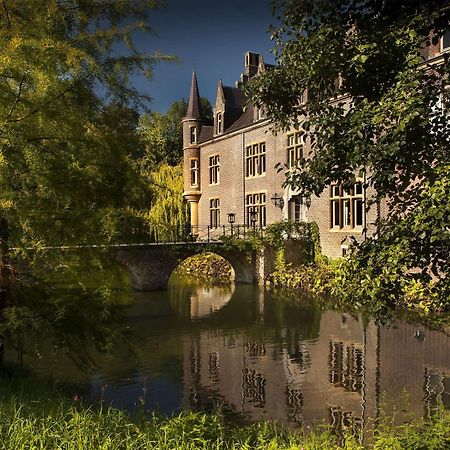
{"x": 192, "y": 125}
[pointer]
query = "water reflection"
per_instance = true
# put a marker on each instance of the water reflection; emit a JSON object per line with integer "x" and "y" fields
{"x": 261, "y": 357}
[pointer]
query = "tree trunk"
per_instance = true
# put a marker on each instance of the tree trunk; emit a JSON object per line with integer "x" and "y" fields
{"x": 5, "y": 279}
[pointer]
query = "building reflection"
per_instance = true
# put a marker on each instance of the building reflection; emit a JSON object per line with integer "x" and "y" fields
{"x": 346, "y": 375}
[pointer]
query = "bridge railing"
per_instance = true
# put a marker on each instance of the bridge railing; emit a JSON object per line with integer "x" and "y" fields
{"x": 204, "y": 233}
{"x": 207, "y": 233}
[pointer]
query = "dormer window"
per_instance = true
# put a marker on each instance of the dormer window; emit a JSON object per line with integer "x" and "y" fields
{"x": 193, "y": 135}
{"x": 219, "y": 123}
{"x": 445, "y": 42}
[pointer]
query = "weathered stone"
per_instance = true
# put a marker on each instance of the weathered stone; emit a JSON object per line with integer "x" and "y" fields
{"x": 152, "y": 265}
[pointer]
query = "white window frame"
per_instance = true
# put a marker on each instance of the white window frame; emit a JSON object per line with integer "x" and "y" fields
{"x": 255, "y": 160}
{"x": 256, "y": 201}
{"x": 214, "y": 169}
{"x": 219, "y": 123}
{"x": 194, "y": 172}
{"x": 214, "y": 212}
{"x": 444, "y": 49}
{"x": 295, "y": 145}
{"x": 344, "y": 206}
{"x": 193, "y": 135}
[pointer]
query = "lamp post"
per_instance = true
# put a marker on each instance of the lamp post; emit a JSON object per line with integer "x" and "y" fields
{"x": 231, "y": 220}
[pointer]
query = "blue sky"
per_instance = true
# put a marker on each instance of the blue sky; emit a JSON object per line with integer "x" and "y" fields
{"x": 210, "y": 35}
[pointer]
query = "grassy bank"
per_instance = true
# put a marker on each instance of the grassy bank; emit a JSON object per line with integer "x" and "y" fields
{"x": 48, "y": 418}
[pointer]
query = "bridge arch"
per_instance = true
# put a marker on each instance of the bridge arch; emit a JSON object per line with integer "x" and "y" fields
{"x": 152, "y": 265}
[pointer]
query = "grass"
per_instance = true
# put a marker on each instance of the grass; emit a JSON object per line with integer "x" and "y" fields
{"x": 47, "y": 418}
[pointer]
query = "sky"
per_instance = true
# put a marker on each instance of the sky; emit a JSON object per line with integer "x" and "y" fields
{"x": 211, "y": 36}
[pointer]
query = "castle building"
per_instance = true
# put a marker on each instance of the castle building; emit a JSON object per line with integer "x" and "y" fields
{"x": 230, "y": 167}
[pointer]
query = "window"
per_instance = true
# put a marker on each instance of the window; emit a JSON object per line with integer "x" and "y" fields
{"x": 446, "y": 41}
{"x": 219, "y": 123}
{"x": 346, "y": 365}
{"x": 193, "y": 135}
{"x": 256, "y": 203}
{"x": 294, "y": 149}
{"x": 346, "y": 205}
{"x": 297, "y": 209}
{"x": 214, "y": 174}
{"x": 255, "y": 160}
{"x": 194, "y": 172}
{"x": 214, "y": 212}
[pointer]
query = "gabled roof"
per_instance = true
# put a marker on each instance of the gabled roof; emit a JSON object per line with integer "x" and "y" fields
{"x": 234, "y": 97}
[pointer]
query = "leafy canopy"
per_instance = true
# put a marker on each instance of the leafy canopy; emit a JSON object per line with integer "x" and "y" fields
{"x": 162, "y": 134}
{"x": 376, "y": 107}
{"x": 67, "y": 116}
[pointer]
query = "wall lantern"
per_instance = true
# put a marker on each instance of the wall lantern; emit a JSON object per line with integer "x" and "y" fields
{"x": 231, "y": 218}
{"x": 253, "y": 217}
{"x": 308, "y": 201}
{"x": 277, "y": 200}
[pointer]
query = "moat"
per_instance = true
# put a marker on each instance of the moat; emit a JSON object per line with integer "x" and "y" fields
{"x": 253, "y": 354}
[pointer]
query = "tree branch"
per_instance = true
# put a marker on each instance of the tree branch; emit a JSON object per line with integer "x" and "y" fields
{"x": 7, "y": 13}
{"x": 48, "y": 102}
{"x": 17, "y": 98}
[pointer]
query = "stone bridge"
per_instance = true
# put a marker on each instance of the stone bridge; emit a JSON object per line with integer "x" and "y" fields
{"x": 151, "y": 265}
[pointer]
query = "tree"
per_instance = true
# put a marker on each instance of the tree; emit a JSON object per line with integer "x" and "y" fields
{"x": 68, "y": 139}
{"x": 67, "y": 120}
{"x": 167, "y": 217}
{"x": 160, "y": 165}
{"x": 374, "y": 107}
{"x": 162, "y": 134}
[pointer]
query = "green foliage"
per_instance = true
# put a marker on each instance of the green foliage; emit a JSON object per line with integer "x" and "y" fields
{"x": 168, "y": 215}
{"x": 387, "y": 121}
{"x": 162, "y": 134}
{"x": 206, "y": 267}
{"x": 67, "y": 117}
{"x": 251, "y": 242}
{"x": 304, "y": 234}
{"x": 48, "y": 419}
{"x": 315, "y": 279}
{"x": 68, "y": 299}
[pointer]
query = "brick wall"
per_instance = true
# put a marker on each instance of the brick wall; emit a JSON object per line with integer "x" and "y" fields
{"x": 233, "y": 186}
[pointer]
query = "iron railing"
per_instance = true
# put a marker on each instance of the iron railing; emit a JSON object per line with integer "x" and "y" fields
{"x": 207, "y": 233}
{"x": 204, "y": 233}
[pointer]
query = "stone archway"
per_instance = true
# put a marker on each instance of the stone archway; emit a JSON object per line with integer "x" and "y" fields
{"x": 152, "y": 265}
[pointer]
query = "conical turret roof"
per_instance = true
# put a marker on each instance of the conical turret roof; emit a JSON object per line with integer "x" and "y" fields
{"x": 194, "y": 110}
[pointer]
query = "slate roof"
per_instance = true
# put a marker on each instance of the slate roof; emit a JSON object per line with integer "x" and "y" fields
{"x": 194, "y": 110}
{"x": 245, "y": 120}
{"x": 206, "y": 133}
{"x": 234, "y": 97}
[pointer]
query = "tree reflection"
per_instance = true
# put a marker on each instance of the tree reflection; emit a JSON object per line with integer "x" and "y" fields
{"x": 65, "y": 301}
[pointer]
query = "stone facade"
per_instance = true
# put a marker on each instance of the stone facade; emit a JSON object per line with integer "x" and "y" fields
{"x": 214, "y": 193}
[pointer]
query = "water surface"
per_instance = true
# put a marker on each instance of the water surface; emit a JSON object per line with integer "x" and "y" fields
{"x": 254, "y": 354}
